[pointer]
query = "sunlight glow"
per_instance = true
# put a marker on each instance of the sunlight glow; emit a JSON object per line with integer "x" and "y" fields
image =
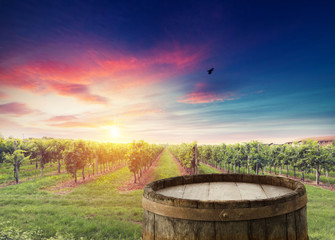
{"x": 113, "y": 130}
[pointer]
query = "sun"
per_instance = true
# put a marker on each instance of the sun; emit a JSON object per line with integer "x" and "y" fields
{"x": 114, "y": 131}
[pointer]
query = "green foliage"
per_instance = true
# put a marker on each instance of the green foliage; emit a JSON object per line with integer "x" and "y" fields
{"x": 140, "y": 156}
{"x": 185, "y": 153}
{"x": 9, "y": 232}
{"x": 74, "y": 158}
{"x": 17, "y": 157}
{"x": 74, "y": 154}
{"x": 307, "y": 157}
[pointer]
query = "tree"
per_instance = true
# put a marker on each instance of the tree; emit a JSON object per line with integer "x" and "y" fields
{"x": 303, "y": 162}
{"x": 292, "y": 156}
{"x": 316, "y": 157}
{"x": 274, "y": 153}
{"x": 134, "y": 159}
{"x": 56, "y": 149}
{"x": 42, "y": 152}
{"x": 73, "y": 158}
{"x": 329, "y": 158}
{"x": 15, "y": 158}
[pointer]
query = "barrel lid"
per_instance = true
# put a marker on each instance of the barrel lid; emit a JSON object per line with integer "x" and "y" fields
{"x": 216, "y": 191}
{"x": 224, "y": 197}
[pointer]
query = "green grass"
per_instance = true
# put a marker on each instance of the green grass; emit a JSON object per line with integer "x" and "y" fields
{"x": 6, "y": 174}
{"x": 320, "y": 213}
{"x": 204, "y": 169}
{"x": 320, "y": 210}
{"x": 166, "y": 167}
{"x": 95, "y": 210}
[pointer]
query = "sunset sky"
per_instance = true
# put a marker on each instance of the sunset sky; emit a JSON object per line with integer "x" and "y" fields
{"x": 127, "y": 70}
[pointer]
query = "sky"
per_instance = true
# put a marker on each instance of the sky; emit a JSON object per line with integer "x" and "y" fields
{"x": 128, "y": 70}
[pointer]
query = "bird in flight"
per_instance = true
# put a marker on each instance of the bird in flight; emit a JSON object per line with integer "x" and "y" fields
{"x": 210, "y": 71}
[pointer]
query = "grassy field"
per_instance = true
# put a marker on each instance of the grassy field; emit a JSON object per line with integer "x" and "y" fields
{"x": 6, "y": 173}
{"x": 97, "y": 210}
{"x": 204, "y": 169}
{"x": 166, "y": 168}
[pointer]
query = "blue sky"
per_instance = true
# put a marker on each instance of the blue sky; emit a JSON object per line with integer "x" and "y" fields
{"x": 121, "y": 71}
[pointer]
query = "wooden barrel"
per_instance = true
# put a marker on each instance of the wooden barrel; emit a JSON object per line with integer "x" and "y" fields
{"x": 225, "y": 206}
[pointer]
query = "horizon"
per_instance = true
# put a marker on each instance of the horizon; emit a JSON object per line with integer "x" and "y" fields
{"x": 118, "y": 72}
{"x": 168, "y": 143}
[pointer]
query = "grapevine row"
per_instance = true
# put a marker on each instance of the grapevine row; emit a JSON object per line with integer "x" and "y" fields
{"x": 305, "y": 157}
{"x": 75, "y": 155}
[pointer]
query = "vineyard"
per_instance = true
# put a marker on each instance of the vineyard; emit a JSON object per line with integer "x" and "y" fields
{"x": 305, "y": 160}
{"x": 17, "y": 156}
{"x": 73, "y": 189}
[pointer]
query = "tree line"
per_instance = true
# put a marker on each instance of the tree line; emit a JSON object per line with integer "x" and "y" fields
{"x": 304, "y": 157}
{"x": 75, "y": 155}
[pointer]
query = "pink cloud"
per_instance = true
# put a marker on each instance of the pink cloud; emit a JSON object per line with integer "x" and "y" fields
{"x": 76, "y": 90}
{"x": 3, "y": 95}
{"x": 15, "y": 108}
{"x": 73, "y": 75}
{"x": 62, "y": 118}
{"x": 74, "y": 125}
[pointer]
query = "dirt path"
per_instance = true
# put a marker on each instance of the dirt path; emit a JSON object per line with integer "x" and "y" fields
{"x": 69, "y": 185}
{"x": 308, "y": 182}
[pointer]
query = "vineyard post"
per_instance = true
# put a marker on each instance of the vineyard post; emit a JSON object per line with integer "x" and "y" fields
{"x": 16, "y": 165}
{"x": 257, "y": 159}
{"x": 317, "y": 169}
{"x": 96, "y": 160}
{"x": 196, "y": 159}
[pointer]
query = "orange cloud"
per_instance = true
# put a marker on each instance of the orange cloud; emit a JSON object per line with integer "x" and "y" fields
{"x": 204, "y": 93}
